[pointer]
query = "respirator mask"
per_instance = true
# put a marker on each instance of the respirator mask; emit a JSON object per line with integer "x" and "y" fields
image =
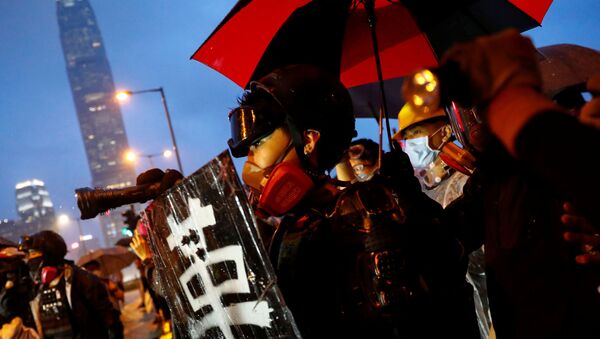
{"x": 280, "y": 186}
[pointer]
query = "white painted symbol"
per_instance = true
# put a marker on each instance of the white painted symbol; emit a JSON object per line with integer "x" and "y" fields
{"x": 245, "y": 313}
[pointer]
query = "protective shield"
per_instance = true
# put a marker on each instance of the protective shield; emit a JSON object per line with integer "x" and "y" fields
{"x": 212, "y": 266}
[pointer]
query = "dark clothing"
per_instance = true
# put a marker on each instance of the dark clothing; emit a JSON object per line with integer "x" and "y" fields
{"x": 536, "y": 289}
{"x": 558, "y": 148}
{"x": 55, "y": 314}
{"x": 333, "y": 273}
{"x": 93, "y": 313}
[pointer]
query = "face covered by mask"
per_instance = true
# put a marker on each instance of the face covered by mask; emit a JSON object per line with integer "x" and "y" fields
{"x": 16, "y": 288}
{"x": 274, "y": 175}
{"x": 35, "y": 268}
{"x": 419, "y": 152}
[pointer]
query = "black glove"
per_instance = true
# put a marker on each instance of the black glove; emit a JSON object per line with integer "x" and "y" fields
{"x": 166, "y": 179}
{"x": 397, "y": 169}
{"x": 493, "y": 63}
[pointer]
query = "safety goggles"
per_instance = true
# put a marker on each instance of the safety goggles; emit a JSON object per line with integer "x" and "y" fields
{"x": 356, "y": 151}
{"x": 248, "y": 126}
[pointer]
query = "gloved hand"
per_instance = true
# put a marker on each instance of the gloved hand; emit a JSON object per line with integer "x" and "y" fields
{"x": 140, "y": 246}
{"x": 494, "y": 63}
{"x": 590, "y": 112}
{"x": 396, "y": 167}
{"x": 166, "y": 179}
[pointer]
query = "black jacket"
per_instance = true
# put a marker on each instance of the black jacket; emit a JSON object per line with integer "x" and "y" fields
{"x": 536, "y": 289}
{"x": 93, "y": 313}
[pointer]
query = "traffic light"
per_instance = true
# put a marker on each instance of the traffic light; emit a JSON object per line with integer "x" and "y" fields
{"x": 126, "y": 232}
{"x": 130, "y": 218}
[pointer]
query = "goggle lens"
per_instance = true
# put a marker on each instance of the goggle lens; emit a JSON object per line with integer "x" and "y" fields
{"x": 248, "y": 127}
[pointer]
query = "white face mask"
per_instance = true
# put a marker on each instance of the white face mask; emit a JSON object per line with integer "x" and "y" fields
{"x": 419, "y": 152}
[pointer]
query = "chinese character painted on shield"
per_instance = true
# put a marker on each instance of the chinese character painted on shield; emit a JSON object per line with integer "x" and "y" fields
{"x": 188, "y": 235}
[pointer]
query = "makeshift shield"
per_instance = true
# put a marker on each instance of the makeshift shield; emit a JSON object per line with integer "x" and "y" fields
{"x": 214, "y": 271}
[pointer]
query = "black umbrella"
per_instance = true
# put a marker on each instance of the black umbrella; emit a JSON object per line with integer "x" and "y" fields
{"x": 564, "y": 66}
{"x": 7, "y": 243}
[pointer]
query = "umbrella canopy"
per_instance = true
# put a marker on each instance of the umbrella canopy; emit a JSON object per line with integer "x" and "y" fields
{"x": 566, "y": 65}
{"x": 562, "y": 66}
{"x": 258, "y": 36}
{"x": 7, "y": 243}
{"x": 111, "y": 259}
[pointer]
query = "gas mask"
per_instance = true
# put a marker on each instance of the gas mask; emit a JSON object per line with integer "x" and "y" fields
{"x": 279, "y": 187}
{"x": 16, "y": 288}
{"x": 361, "y": 174}
{"x": 35, "y": 268}
{"x": 364, "y": 164}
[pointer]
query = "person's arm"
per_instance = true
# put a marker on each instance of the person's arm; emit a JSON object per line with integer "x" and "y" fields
{"x": 562, "y": 151}
{"x": 505, "y": 83}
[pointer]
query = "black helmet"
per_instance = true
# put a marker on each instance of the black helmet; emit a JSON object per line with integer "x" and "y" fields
{"x": 50, "y": 243}
{"x": 302, "y": 97}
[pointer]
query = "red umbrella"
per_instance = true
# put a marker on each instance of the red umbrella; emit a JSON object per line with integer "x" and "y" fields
{"x": 258, "y": 36}
{"x": 362, "y": 41}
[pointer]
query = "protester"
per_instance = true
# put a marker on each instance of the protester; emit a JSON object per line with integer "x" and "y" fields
{"x": 69, "y": 302}
{"x": 363, "y": 155}
{"x": 443, "y": 171}
{"x": 330, "y": 265}
{"x": 16, "y": 289}
{"x": 426, "y": 138}
{"x": 150, "y": 278}
{"x": 359, "y": 162}
{"x": 514, "y": 203}
{"x": 115, "y": 293}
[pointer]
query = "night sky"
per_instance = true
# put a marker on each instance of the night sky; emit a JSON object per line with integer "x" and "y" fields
{"x": 148, "y": 44}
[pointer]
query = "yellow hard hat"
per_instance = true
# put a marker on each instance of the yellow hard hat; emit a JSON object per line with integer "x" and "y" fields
{"x": 408, "y": 117}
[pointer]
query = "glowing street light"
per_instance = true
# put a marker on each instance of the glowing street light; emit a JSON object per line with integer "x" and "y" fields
{"x": 132, "y": 156}
{"x": 124, "y": 95}
{"x": 65, "y": 219}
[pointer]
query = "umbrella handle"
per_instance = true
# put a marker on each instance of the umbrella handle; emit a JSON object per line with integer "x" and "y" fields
{"x": 370, "y": 9}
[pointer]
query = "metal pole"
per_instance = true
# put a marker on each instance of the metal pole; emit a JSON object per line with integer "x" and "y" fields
{"x": 164, "y": 101}
{"x": 150, "y": 156}
{"x": 83, "y": 247}
{"x": 370, "y": 9}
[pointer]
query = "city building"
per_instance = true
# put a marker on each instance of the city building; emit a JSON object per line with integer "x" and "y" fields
{"x": 100, "y": 119}
{"x": 34, "y": 207}
{"x": 33, "y": 201}
{"x": 9, "y": 230}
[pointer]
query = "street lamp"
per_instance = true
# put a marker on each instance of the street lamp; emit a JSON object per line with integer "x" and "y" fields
{"x": 124, "y": 95}
{"x": 64, "y": 219}
{"x": 132, "y": 156}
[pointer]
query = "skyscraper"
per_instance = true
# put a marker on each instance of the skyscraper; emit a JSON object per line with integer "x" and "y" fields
{"x": 34, "y": 207}
{"x": 99, "y": 115}
{"x": 33, "y": 201}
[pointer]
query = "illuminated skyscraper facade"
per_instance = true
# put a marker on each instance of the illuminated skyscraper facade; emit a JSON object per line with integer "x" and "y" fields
{"x": 33, "y": 201}
{"x": 34, "y": 207}
{"x": 100, "y": 120}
